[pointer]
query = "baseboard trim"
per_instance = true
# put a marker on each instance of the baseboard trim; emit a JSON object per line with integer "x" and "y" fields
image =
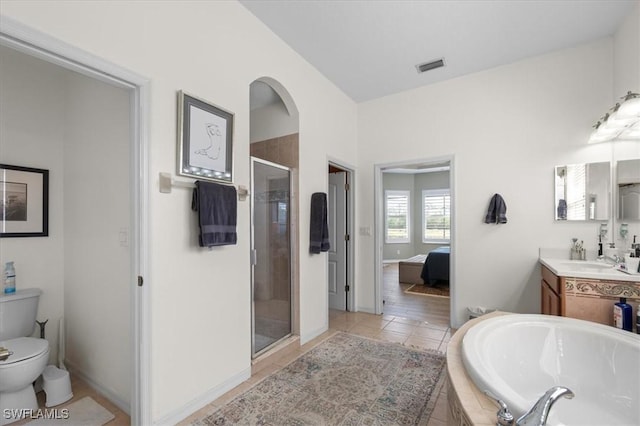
{"x": 307, "y": 337}
{"x": 366, "y": 310}
{"x": 208, "y": 397}
{"x": 99, "y": 387}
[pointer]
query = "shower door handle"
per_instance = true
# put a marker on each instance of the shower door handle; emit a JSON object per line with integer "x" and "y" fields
{"x": 254, "y": 257}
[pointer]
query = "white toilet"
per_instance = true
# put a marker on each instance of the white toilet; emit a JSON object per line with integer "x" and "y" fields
{"x": 29, "y": 355}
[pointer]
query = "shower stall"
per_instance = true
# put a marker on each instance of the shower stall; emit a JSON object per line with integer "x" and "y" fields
{"x": 270, "y": 254}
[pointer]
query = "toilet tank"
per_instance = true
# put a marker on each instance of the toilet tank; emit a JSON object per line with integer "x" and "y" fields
{"x": 18, "y": 313}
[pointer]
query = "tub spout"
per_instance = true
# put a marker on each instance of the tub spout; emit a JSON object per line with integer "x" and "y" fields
{"x": 537, "y": 415}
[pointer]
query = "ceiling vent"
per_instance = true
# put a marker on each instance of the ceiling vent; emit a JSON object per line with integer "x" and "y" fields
{"x": 430, "y": 65}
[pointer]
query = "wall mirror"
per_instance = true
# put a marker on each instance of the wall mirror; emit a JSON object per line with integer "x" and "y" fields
{"x": 628, "y": 180}
{"x": 583, "y": 191}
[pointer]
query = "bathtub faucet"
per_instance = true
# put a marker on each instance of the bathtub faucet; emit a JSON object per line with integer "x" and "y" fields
{"x": 537, "y": 415}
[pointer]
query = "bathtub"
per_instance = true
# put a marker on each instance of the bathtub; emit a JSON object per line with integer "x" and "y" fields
{"x": 519, "y": 357}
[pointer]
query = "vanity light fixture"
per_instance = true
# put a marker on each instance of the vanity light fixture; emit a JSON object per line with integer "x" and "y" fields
{"x": 622, "y": 124}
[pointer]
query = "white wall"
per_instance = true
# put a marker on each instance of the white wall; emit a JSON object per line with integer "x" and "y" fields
{"x": 200, "y": 300}
{"x": 507, "y": 128}
{"x": 97, "y": 273}
{"x": 272, "y": 121}
{"x": 32, "y": 133}
{"x": 626, "y": 65}
{"x": 626, "y": 73}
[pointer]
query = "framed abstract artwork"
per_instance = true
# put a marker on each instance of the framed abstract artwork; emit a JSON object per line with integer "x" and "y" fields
{"x": 24, "y": 202}
{"x": 205, "y": 140}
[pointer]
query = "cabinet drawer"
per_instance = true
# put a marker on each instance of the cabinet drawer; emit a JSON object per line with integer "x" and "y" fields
{"x": 551, "y": 279}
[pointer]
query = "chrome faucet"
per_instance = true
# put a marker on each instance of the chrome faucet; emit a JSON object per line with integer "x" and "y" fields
{"x": 537, "y": 415}
{"x": 617, "y": 260}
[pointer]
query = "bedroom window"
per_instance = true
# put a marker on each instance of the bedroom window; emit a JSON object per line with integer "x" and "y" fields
{"x": 436, "y": 216}
{"x": 397, "y": 205}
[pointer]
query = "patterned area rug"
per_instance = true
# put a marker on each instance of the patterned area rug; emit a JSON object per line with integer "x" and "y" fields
{"x": 346, "y": 380}
{"x": 425, "y": 290}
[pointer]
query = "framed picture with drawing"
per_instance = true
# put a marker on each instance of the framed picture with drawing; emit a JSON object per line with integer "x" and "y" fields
{"x": 24, "y": 202}
{"x": 205, "y": 140}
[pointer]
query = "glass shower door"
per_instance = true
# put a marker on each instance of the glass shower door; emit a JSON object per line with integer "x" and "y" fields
{"x": 270, "y": 254}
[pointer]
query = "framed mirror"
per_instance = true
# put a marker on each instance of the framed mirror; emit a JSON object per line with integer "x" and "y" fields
{"x": 583, "y": 191}
{"x": 628, "y": 181}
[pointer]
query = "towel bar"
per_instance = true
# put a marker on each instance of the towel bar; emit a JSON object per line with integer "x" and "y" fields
{"x": 167, "y": 182}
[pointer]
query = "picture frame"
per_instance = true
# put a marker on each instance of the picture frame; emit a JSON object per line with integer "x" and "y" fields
{"x": 24, "y": 202}
{"x": 205, "y": 140}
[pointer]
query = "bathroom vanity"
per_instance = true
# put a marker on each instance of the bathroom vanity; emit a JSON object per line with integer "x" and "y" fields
{"x": 585, "y": 290}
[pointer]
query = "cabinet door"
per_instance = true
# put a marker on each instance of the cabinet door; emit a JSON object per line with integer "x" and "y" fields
{"x": 550, "y": 301}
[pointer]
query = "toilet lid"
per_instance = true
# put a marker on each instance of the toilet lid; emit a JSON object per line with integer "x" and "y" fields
{"x": 23, "y": 348}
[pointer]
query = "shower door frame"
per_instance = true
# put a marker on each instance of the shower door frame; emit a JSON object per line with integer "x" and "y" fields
{"x": 267, "y": 348}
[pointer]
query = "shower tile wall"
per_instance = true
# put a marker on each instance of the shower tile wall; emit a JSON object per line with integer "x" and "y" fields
{"x": 284, "y": 151}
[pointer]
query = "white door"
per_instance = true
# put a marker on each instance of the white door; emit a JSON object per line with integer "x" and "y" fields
{"x": 337, "y": 218}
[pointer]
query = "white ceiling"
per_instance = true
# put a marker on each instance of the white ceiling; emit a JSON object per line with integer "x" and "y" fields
{"x": 369, "y": 49}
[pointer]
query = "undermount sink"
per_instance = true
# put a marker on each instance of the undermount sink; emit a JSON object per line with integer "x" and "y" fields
{"x": 586, "y": 266}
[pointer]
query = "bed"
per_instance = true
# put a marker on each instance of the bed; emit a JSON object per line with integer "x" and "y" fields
{"x": 436, "y": 266}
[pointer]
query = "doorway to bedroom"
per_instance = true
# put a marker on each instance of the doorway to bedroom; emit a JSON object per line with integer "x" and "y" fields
{"x": 415, "y": 240}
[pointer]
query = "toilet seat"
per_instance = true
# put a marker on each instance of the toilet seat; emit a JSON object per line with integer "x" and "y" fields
{"x": 23, "y": 348}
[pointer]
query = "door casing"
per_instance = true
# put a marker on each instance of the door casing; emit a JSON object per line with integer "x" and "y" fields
{"x": 337, "y": 256}
{"x": 353, "y": 240}
{"x": 379, "y": 227}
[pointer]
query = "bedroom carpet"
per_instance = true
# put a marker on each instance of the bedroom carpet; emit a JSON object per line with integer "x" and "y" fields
{"x": 442, "y": 291}
{"x": 345, "y": 380}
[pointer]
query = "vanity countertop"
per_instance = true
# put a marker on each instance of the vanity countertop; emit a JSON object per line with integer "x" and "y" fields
{"x": 594, "y": 269}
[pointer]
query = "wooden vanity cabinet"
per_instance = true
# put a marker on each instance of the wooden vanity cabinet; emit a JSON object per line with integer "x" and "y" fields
{"x": 585, "y": 298}
{"x": 551, "y": 298}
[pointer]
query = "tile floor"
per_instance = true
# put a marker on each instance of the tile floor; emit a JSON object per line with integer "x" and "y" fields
{"x": 417, "y": 321}
{"x": 81, "y": 389}
{"x": 419, "y": 334}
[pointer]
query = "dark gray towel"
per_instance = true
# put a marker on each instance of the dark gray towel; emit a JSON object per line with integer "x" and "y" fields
{"x": 497, "y": 212}
{"x": 217, "y": 207}
{"x": 562, "y": 209}
{"x": 319, "y": 230}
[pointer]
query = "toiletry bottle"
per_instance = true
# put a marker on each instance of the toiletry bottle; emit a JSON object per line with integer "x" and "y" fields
{"x": 9, "y": 278}
{"x": 622, "y": 315}
{"x": 638, "y": 320}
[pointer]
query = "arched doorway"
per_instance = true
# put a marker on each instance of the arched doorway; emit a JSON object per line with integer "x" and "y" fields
{"x": 274, "y": 216}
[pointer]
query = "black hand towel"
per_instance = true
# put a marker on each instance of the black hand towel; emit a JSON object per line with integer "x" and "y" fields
{"x": 217, "y": 207}
{"x": 497, "y": 212}
{"x": 319, "y": 230}
{"x": 501, "y": 209}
